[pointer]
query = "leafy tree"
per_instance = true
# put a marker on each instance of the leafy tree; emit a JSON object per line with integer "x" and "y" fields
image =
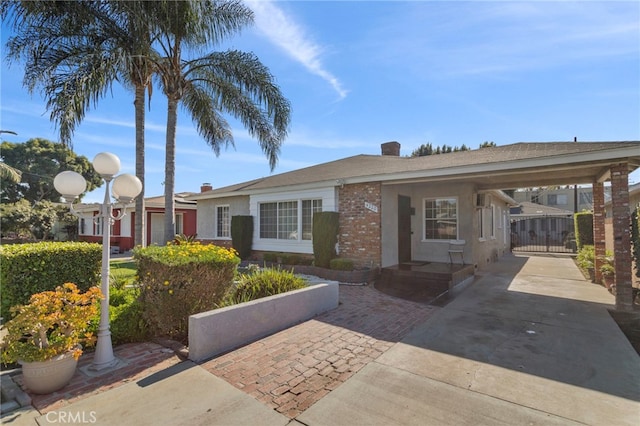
{"x": 427, "y": 149}
{"x": 487, "y": 144}
{"x": 27, "y": 221}
{"x": 230, "y": 82}
{"x": 40, "y": 160}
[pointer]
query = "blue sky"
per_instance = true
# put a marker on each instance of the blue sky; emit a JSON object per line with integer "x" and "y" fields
{"x": 362, "y": 73}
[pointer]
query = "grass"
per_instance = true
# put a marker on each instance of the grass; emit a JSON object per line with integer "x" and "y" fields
{"x": 123, "y": 272}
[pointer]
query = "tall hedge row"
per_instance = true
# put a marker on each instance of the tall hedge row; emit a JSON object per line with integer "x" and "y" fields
{"x": 242, "y": 235}
{"x": 584, "y": 228}
{"x": 26, "y": 269}
{"x": 325, "y": 237}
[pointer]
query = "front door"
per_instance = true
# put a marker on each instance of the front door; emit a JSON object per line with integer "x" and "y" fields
{"x": 404, "y": 229}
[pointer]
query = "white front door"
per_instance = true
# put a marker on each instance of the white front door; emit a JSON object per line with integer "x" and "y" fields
{"x": 157, "y": 228}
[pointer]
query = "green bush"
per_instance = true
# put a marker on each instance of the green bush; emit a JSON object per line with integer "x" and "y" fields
{"x": 242, "y": 235}
{"x": 26, "y": 269}
{"x": 263, "y": 283}
{"x": 270, "y": 257}
{"x": 586, "y": 257}
{"x": 341, "y": 264}
{"x": 126, "y": 316}
{"x": 325, "y": 237}
{"x": 584, "y": 228}
{"x": 181, "y": 280}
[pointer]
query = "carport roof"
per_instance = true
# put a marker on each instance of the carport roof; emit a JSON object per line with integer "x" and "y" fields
{"x": 518, "y": 165}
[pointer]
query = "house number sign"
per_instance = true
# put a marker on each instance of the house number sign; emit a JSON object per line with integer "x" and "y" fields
{"x": 371, "y": 207}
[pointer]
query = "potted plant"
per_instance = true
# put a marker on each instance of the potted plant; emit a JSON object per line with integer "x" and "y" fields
{"x": 46, "y": 335}
{"x": 608, "y": 273}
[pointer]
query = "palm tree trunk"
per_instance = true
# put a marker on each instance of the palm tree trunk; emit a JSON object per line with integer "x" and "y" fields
{"x": 139, "y": 237}
{"x": 170, "y": 171}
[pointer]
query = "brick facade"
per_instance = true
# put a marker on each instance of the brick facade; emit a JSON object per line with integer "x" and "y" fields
{"x": 599, "y": 239}
{"x": 360, "y": 235}
{"x": 621, "y": 235}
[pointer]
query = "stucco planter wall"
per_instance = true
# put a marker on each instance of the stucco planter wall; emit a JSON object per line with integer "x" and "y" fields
{"x": 214, "y": 332}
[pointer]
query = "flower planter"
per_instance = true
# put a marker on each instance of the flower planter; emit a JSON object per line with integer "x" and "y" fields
{"x": 44, "y": 377}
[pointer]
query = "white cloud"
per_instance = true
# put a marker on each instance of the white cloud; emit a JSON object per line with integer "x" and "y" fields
{"x": 282, "y": 31}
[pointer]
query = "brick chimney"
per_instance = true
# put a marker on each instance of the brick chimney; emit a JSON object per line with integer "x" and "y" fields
{"x": 391, "y": 148}
{"x": 205, "y": 187}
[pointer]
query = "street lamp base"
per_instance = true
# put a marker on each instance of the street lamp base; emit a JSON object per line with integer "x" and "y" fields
{"x": 93, "y": 370}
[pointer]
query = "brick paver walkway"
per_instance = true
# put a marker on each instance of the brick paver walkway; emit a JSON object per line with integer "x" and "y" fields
{"x": 143, "y": 359}
{"x": 294, "y": 368}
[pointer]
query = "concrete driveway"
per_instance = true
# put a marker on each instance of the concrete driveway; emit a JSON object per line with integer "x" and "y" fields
{"x": 529, "y": 342}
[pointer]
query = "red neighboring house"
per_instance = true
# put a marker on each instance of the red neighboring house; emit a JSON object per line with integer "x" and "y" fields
{"x": 123, "y": 230}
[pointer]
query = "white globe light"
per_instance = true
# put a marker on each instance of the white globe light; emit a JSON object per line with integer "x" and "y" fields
{"x": 106, "y": 164}
{"x": 69, "y": 184}
{"x": 126, "y": 187}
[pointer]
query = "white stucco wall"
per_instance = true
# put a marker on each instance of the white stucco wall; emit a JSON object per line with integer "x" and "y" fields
{"x": 477, "y": 251}
{"x": 206, "y": 227}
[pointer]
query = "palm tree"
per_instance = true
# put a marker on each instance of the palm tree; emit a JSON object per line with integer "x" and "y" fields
{"x": 76, "y": 50}
{"x": 230, "y": 82}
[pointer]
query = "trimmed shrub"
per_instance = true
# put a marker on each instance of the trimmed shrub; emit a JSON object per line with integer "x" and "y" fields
{"x": 263, "y": 283}
{"x": 270, "y": 257}
{"x": 126, "y": 317}
{"x": 584, "y": 228}
{"x": 242, "y": 235}
{"x": 181, "y": 280}
{"x": 325, "y": 237}
{"x": 341, "y": 264}
{"x": 27, "y": 269}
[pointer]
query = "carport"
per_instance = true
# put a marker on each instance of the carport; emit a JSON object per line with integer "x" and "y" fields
{"x": 562, "y": 163}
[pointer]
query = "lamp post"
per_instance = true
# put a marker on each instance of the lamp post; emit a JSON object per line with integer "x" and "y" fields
{"x": 125, "y": 188}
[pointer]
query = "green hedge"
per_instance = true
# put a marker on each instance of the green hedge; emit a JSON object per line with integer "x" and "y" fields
{"x": 325, "y": 236}
{"x": 26, "y": 269}
{"x": 181, "y": 280}
{"x": 584, "y": 228}
{"x": 242, "y": 235}
{"x": 341, "y": 264}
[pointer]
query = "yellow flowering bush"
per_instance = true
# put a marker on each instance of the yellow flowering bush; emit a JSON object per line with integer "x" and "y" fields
{"x": 178, "y": 280}
{"x": 51, "y": 324}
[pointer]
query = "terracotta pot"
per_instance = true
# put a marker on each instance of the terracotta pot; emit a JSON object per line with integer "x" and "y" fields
{"x": 44, "y": 377}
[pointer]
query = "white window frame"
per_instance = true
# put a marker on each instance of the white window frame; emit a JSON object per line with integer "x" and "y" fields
{"x": 424, "y": 218}
{"x": 226, "y": 226}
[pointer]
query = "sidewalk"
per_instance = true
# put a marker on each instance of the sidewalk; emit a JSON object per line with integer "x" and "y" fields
{"x": 529, "y": 342}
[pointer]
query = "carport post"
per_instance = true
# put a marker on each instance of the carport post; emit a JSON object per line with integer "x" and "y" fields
{"x": 599, "y": 240}
{"x": 621, "y": 235}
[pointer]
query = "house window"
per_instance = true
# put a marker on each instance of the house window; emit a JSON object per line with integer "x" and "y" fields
{"x": 179, "y": 220}
{"x": 309, "y": 207}
{"x": 83, "y": 224}
{"x": 282, "y": 220}
{"x": 481, "y": 227}
{"x": 223, "y": 222}
{"x": 492, "y": 221}
{"x": 441, "y": 218}
{"x": 98, "y": 225}
{"x": 557, "y": 199}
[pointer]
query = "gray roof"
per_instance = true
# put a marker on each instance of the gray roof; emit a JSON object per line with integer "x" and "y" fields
{"x": 529, "y": 208}
{"x": 521, "y": 156}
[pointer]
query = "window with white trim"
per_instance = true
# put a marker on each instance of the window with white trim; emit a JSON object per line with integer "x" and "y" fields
{"x": 492, "y": 223}
{"x": 282, "y": 220}
{"x": 481, "y": 228}
{"x": 440, "y": 218}
{"x": 223, "y": 222}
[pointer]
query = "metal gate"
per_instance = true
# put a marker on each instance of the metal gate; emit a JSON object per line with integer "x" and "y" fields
{"x": 543, "y": 233}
